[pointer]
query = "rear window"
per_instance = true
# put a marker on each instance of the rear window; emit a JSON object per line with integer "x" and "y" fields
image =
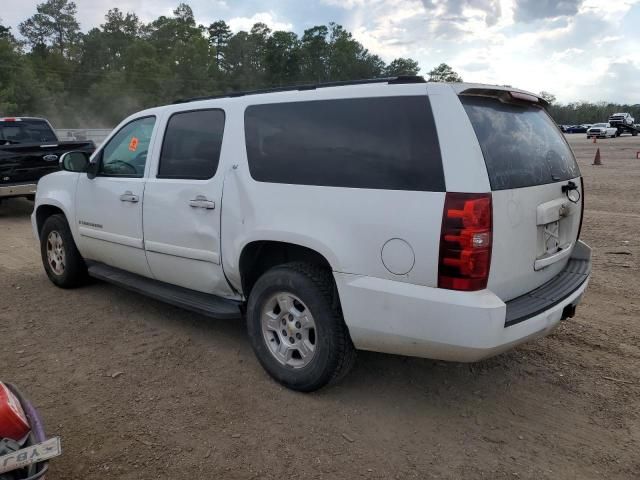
{"x": 522, "y": 147}
{"x": 378, "y": 143}
{"x": 26, "y": 131}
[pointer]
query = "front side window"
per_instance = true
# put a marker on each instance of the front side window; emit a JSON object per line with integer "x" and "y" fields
{"x": 126, "y": 153}
{"x": 192, "y": 144}
{"x": 387, "y": 143}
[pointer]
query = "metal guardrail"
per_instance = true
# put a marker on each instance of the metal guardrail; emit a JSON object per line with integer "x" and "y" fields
{"x": 96, "y": 134}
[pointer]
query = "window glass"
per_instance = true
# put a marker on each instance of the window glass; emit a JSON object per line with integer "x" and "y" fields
{"x": 126, "y": 153}
{"x": 26, "y": 131}
{"x": 192, "y": 144}
{"x": 383, "y": 143}
{"x": 522, "y": 146}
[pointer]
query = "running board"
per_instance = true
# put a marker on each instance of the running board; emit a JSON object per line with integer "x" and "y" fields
{"x": 198, "y": 302}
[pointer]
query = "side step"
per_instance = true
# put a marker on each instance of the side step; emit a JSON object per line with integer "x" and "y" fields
{"x": 202, "y": 303}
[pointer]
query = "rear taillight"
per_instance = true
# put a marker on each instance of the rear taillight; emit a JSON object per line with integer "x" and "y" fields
{"x": 465, "y": 241}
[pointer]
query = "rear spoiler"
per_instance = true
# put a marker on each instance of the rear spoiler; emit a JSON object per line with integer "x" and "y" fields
{"x": 506, "y": 96}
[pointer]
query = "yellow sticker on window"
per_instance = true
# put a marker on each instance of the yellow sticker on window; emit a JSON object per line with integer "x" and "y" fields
{"x": 133, "y": 144}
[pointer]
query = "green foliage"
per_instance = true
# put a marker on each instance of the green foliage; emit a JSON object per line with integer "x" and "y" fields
{"x": 95, "y": 79}
{"x": 549, "y": 97}
{"x": 577, "y": 113}
{"x": 444, "y": 73}
{"x": 55, "y": 24}
{"x": 402, "y": 66}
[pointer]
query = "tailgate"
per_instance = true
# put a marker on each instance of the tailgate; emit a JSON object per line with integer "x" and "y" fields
{"x": 536, "y": 189}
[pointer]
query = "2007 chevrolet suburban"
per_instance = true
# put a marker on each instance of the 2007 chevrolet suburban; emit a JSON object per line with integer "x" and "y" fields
{"x": 426, "y": 219}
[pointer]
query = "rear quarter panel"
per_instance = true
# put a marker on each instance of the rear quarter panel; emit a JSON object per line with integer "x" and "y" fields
{"x": 348, "y": 226}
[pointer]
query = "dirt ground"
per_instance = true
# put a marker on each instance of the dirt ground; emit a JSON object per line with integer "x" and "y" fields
{"x": 141, "y": 390}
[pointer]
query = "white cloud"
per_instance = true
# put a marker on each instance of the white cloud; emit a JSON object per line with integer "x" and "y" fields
{"x": 245, "y": 23}
{"x": 571, "y": 55}
{"x": 348, "y": 4}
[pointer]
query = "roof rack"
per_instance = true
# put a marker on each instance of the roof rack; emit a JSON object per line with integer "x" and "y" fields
{"x": 311, "y": 86}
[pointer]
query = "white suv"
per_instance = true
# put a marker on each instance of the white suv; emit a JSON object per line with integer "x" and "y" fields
{"x": 398, "y": 216}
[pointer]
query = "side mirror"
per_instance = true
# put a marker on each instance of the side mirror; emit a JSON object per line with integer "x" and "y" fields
{"x": 74, "y": 162}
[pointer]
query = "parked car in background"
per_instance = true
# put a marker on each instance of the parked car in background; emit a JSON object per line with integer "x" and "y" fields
{"x": 602, "y": 130}
{"x": 578, "y": 128}
{"x": 29, "y": 149}
{"x": 621, "y": 119}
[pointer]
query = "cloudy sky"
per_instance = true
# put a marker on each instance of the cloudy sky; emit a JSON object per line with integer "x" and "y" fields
{"x": 576, "y": 49}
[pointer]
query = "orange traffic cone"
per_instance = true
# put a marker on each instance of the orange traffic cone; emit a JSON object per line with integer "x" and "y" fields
{"x": 595, "y": 139}
{"x": 596, "y": 160}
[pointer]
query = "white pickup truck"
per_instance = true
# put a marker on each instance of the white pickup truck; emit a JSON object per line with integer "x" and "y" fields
{"x": 602, "y": 130}
{"x": 621, "y": 119}
{"x": 334, "y": 218}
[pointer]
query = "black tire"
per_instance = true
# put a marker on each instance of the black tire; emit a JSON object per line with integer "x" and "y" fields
{"x": 334, "y": 352}
{"x": 74, "y": 271}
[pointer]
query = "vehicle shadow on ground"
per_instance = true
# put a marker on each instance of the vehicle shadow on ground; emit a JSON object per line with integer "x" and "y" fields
{"x": 15, "y": 208}
{"x": 377, "y": 379}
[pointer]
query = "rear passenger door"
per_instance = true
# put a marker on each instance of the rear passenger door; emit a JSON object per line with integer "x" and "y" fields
{"x": 182, "y": 203}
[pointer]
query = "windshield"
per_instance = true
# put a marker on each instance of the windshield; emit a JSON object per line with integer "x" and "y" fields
{"x": 601, "y": 125}
{"x": 26, "y": 131}
{"x": 521, "y": 144}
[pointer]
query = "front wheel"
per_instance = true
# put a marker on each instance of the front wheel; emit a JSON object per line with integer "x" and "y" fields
{"x": 62, "y": 261}
{"x": 296, "y": 328}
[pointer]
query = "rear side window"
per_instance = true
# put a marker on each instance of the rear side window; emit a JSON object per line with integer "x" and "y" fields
{"x": 26, "y": 131}
{"x": 379, "y": 143}
{"x": 192, "y": 144}
{"x": 522, "y": 146}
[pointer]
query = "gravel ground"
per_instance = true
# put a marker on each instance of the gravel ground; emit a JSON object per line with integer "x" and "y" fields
{"x": 141, "y": 390}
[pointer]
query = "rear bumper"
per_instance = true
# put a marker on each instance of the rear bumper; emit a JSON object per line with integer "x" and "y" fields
{"x": 400, "y": 318}
{"x": 19, "y": 190}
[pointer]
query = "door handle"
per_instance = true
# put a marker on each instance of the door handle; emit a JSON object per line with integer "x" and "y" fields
{"x": 129, "y": 197}
{"x": 202, "y": 202}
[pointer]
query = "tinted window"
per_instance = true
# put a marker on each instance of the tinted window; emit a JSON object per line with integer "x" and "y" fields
{"x": 522, "y": 146}
{"x": 125, "y": 155}
{"x": 192, "y": 143}
{"x": 26, "y": 131}
{"x": 385, "y": 143}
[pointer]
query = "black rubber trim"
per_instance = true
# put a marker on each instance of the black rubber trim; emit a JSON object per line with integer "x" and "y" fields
{"x": 202, "y": 303}
{"x": 561, "y": 286}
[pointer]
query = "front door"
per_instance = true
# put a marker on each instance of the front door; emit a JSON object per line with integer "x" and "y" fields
{"x": 109, "y": 206}
{"x": 183, "y": 201}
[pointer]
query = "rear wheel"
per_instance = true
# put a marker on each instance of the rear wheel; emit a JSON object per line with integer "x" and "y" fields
{"x": 62, "y": 261}
{"x": 296, "y": 328}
